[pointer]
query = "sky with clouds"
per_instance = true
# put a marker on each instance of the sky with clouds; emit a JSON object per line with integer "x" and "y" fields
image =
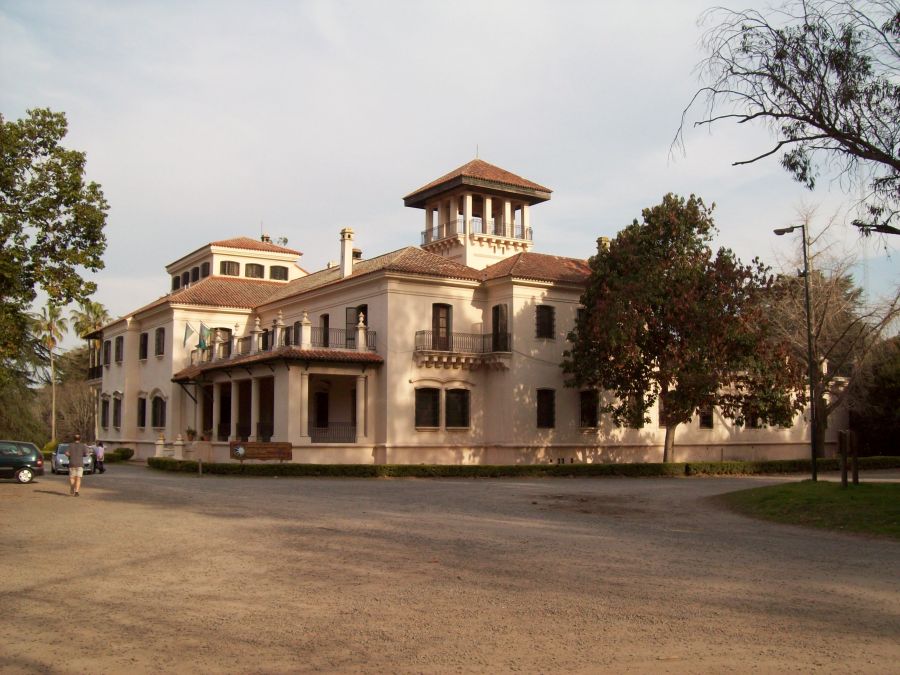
{"x": 209, "y": 120}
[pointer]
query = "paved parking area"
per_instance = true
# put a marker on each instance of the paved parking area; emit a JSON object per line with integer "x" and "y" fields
{"x": 153, "y": 572}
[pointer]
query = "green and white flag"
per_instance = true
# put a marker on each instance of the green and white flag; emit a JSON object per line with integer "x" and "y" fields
{"x": 188, "y": 331}
{"x": 204, "y": 336}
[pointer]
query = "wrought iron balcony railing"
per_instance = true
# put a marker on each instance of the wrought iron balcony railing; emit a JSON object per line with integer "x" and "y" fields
{"x": 462, "y": 343}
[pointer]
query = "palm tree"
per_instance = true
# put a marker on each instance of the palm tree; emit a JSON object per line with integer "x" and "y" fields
{"x": 51, "y": 326}
{"x": 90, "y": 317}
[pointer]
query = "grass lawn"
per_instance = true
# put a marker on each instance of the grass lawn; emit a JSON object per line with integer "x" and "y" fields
{"x": 870, "y": 508}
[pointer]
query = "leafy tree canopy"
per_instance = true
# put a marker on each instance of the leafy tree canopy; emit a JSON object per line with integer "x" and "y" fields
{"x": 666, "y": 319}
{"x": 824, "y": 76}
{"x": 51, "y": 223}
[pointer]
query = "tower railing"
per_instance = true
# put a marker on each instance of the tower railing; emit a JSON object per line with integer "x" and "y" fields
{"x": 477, "y": 225}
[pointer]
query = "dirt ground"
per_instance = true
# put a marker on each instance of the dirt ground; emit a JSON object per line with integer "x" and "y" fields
{"x": 151, "y": 572}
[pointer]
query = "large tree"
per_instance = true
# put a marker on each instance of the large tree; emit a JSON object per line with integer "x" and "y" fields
{"x": 846, "y": 328}
{"x": 51, "y": 223}
{"x": 51, "y": 326}
{"x": 875, "y": 414}
{"x": 666, "y": 319}
{"x": 824, "y": 77}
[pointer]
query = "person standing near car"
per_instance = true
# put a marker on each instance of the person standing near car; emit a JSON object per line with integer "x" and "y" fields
{"x": 99, "y": 454}
{"x": 76, "y": 453}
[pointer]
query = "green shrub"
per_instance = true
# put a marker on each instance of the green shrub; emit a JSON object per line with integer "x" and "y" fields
{"x": 512, "y": 470}
{"x": 124, "y": 453}
{"x": 111, "y": 458}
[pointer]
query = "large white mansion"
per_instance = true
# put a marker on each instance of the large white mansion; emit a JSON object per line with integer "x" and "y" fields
{"x": 446, "y": 352}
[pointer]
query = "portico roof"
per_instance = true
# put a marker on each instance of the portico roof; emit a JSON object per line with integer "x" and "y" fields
{"x": 192, "y": 373}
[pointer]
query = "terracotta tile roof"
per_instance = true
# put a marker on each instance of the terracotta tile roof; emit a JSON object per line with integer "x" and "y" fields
{"x": 412, "y": 260}
{"x": 290, "y": 353}
{"x": 215, "y": 291}
{"x": 540, "y": 267}
{"x": 479, "y": 173}
{"x": 253, "y": 245}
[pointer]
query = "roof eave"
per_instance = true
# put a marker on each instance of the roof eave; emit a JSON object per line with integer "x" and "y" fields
{"x": 419, "y": 198}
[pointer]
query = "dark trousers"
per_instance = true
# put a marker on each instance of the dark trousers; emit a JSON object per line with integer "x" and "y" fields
{"x": 100, "y": 467}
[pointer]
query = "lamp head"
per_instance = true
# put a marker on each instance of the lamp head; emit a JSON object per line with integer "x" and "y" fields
{"x": 785, "y": 230}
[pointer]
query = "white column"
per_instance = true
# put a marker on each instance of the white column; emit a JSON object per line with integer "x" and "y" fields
{"x": 360, "y": 407}
{"x": 254, "y": 408}
{"x": 235, "y": 336}
{"x": 199, "y": 396}
{"x": 217, "y": 410}
{"x": 507, "y": 216}
{"x": 234, "y": 410}
{"x": 255, "y": 333}
{"x": 304, "y": 406}
{"x": 278, "y": 331}
{"x": 361, "y": 334}
{"x": 429, "y": 222}
{"x": 452, "y": 215}
{"x": 467, "y": 213}
{"x": 487, "y": 215}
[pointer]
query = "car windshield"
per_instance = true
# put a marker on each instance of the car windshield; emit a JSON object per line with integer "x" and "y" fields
{"x": 27, "y": 447}
{"x": 61, "y": 450}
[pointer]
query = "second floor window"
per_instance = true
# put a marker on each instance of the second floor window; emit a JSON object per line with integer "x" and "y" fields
{"x": 229, "y": 268}
{"x": 160, "y": 343}
{"x": 254, "y": 271}
{"x": 545, "y": 322}
{"x": 195, "y": 274}
{"x": 278, "y": 272}
{"x": 204, "y": 270}
{"x": 143, "y": 346}
{"x": 107, "y": 349}
{"x": 176, "y": 282}
{"x": 185, "y": 278}
{"x": 120, "y": 348}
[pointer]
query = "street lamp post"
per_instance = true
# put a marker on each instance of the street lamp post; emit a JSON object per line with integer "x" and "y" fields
{"x": 810, "y": 355}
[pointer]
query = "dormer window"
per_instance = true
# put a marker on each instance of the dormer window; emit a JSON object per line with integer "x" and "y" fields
{"x": 229, "y": 268}
{"x": 185, "y": 278}
{"x": 278, "y": 273}
{"x": 176, "y": 282}
{"x": 254, "y": 271}
{"x": 195, "y": 274}
{"x": 204, "y": 270}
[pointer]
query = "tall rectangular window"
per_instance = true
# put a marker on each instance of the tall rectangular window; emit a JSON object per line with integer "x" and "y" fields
{"x": 706, "y": 417}
{"x": 158, "y": 412}
{"x": 325, "y": 323}
{"x": 160, "y": 345}
{"x": 143, "y": 343}
{"x": 441, "y": 326}
{"x": 195, "y": 274}
{"x": 142, "y": 412}
{"x": 456, "y": 414}
{"x": 120, "y": 348}
{"x": 545, "y": 322}
{"x": 590, "y": 407}
{"x": 107, "y": 352}
{"x": 204, "y": 270}
{"x": 117, "y": 412}
{"x": 428, "y": 407}
{"x": 104, "y": 413}
{"x": 500, "y": 328}
{"x": 546, "y": 408}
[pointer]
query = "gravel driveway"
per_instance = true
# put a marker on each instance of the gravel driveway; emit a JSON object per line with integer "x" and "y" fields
{"x": 154, "y": 572}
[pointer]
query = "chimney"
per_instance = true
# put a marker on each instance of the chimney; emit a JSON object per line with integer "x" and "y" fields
{"x": 346, "y": 252}
{"x": 265, "y": 238}
{"x": 357, "y": 254}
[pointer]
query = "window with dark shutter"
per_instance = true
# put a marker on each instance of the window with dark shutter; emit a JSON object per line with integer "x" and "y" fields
{"x": 120, "y": 348}
{"x": 428, "y": 407}
{"x": 117, "y": 412}
{"x": 500, "y": 328}
{"x": 104, "y": 413}
{"x": 457, "y": 409}
{"x": 441, "y": 326}
{"x": 142, "y": 412}
{"x": 204, "y": 270}
{"x": 143, "y": 341}
{"x": 158, "y": 412}
{"x": 546, "y": 408}
{"x": 160, "y": 342}
{"x": 278, "y": 273}
{"x": 590, "y": 408}
{"x": 254, "y": 271}
{"x": 195, "y": 274}
{"x": 545, "y": 322}
{"x": 107, "y": 352}
{"x": 176, "y": 282}
{"x": 185, "y": 278}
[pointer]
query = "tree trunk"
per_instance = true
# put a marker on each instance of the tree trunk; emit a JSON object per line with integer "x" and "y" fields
{"x": 669, "y": 445}
{"x": 821, "y": 422}
{"x": 52, "y": 398}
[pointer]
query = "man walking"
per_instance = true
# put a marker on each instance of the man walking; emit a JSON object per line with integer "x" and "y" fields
{"x": 76, "y": 452}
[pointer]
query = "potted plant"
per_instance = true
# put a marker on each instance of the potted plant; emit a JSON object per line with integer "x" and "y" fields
{"x": 191, "y": 434}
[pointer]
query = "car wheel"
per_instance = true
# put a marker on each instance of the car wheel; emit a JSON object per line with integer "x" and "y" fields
{"x": 24, "y": 475}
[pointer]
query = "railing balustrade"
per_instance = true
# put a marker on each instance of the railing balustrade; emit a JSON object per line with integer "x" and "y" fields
{"x": 335, "y": 432}
{"x": 95, "y": 372}
{"x": 462, "y": 343}
{"x": 477, "y": 225}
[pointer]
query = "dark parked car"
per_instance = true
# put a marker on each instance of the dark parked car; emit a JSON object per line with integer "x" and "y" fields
{"x": 59, "y": 463}
{"x": 20, "y": 460}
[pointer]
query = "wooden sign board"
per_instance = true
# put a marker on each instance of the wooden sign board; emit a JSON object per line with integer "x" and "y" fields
{"x": 258, "y": 450}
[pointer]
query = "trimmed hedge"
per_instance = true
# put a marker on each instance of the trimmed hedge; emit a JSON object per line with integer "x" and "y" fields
{"x": 514, "y": 470}
{"x": 123, "y": 453}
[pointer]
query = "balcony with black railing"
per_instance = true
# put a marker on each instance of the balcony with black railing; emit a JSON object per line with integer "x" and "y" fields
{"x": 95, "y": 373}
{"x": 462, "y": 350}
